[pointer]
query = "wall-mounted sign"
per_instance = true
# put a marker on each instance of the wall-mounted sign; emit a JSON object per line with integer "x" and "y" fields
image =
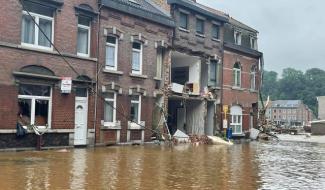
{"x": 66, "y": 85}
{"x": 225, "y": 124}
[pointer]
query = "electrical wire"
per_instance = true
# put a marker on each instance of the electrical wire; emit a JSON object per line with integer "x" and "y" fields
{"x": 78, "y": 74}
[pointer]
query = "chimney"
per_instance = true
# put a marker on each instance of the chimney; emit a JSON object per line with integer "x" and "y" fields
{"x": 163, "y": 4}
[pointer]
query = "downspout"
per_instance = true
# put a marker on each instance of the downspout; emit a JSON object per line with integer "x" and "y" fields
{"x": 97, "y": 67}
{"x": 221, "y": 82}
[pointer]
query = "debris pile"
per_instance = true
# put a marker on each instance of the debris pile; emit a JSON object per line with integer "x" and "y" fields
{"x": 203, "y": 139}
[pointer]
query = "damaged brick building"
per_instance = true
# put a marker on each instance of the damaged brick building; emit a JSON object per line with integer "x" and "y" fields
{"x": 127, "y": 61}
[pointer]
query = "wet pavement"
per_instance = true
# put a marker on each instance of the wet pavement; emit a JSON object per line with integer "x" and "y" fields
{"x": 273, "y": 165}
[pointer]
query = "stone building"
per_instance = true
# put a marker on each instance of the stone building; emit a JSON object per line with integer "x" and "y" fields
{"x": 31, "y": 71}
{"x": 321, "y": 107}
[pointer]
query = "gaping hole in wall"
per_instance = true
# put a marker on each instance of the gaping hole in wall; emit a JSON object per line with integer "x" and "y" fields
{"x": 186, "y": 72}
{"x": 186, "y": 116}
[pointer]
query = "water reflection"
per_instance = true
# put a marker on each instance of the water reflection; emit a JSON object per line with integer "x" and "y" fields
{"x": 247, "y": 166}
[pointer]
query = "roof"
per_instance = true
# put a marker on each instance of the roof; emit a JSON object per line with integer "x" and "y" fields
{"x": 286, "y": 103}
{"x": 141, "y": 8}
{"x": 204, "y": 10}
{"x": 239, "y": 24}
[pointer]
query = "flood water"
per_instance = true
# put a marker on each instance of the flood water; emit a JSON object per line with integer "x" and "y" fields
{"x": 275, "y": 165}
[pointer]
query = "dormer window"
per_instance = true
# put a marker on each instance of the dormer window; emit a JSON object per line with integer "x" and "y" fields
{"x": 237, "y": 37}
{"x": 253, "y": 41}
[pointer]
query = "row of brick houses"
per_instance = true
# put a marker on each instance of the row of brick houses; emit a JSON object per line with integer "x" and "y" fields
{"x": 129, "y": 61}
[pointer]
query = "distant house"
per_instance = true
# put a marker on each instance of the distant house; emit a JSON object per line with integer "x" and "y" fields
{"x": 321, "y": 107}
{"x": 289, "y": 112}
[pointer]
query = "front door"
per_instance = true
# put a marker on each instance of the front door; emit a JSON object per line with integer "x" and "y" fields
{"x": 81, "y": 115}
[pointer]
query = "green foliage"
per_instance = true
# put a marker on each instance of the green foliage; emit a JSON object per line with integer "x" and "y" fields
{"x": 295, "y": 85}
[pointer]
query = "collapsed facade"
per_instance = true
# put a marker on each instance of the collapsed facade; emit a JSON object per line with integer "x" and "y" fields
{"x": 107, "y": 72}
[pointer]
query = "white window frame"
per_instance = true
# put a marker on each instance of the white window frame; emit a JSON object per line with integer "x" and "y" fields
{"x": 115, "y": 54}
{"x": 37, "y": 31}
{"x": 159, "y": 64}
{"x": 237, "y": 40}
{"x": 253, "y": 42}
{"x": 237, "y": 72}
{"x": 139, "y": 106}
{"x": 235, "y": 117}
{"x": 140, "y": 61}
{"x": 114, "y": 110}
{"x": 32, "y": 112}
{"x": 87, "y": 28}
{"x": 253, "y": 79}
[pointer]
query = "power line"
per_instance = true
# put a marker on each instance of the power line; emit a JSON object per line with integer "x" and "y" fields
{"x": 78, "y": 74}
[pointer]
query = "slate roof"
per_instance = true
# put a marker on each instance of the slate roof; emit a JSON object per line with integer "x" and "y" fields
{"x": 204, "y": 10}
{"x": 286, "y": 103}
{"x": 241, "y": 25}
{"x": 141, "y": 8}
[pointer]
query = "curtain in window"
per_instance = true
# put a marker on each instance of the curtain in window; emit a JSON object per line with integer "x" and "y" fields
{"x": 83, "y": 40}
{"x": 108, "y": 112}
{"x": 110, "y": 56}
{"x": 28, "y": 30}
{"x": 135, "y": 61}
{"x": 46, "y": 27}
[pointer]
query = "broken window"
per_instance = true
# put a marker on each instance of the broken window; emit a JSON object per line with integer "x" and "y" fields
{"x": 83, "y": 44}
{"x": 214, "y": 73}
{"x": 34, "y": 104}
{"x": 135, "y": 108}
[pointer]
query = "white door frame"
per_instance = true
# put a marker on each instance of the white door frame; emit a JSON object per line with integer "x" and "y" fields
{"x": 77, "y": 130}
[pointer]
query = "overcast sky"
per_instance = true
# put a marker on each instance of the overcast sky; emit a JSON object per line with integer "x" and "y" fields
{"x": 291, "y": 32}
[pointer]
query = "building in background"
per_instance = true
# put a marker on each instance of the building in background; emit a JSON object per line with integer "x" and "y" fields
{"x": 289, "y": 113}
{"x": 321, "y": 107}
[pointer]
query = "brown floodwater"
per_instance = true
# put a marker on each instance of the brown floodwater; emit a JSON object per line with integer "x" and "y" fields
{"x": 275, "y": 165}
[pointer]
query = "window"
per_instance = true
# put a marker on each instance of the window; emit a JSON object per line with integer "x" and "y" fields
{"x": 237, "y": 37}
{"x": 237, "y": 75}
{"x": 253, "y": 43}
{"x": 109, "y": 108}
{"x": 215, "y": 31}
{"x": 199, "y": 26}
{"x": 111, "y": 52}
{"x": 136, "y": 58}
{"x": 236, "y": 119}
{"x": 32, "y": 35}
{"x": 34, "y": 105}
{"x": 135, "y": 109}
{"x": 83, "y": 36}
{"x": 253, "y": 78}
{"x": 160, "y": 54}
{"x": 214, "y": 73}
{"x": 183, "y": 20}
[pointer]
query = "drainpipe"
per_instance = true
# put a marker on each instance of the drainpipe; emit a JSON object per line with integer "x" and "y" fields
{"x": 97, "y": 67}
{"x": 221, "y": 82}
